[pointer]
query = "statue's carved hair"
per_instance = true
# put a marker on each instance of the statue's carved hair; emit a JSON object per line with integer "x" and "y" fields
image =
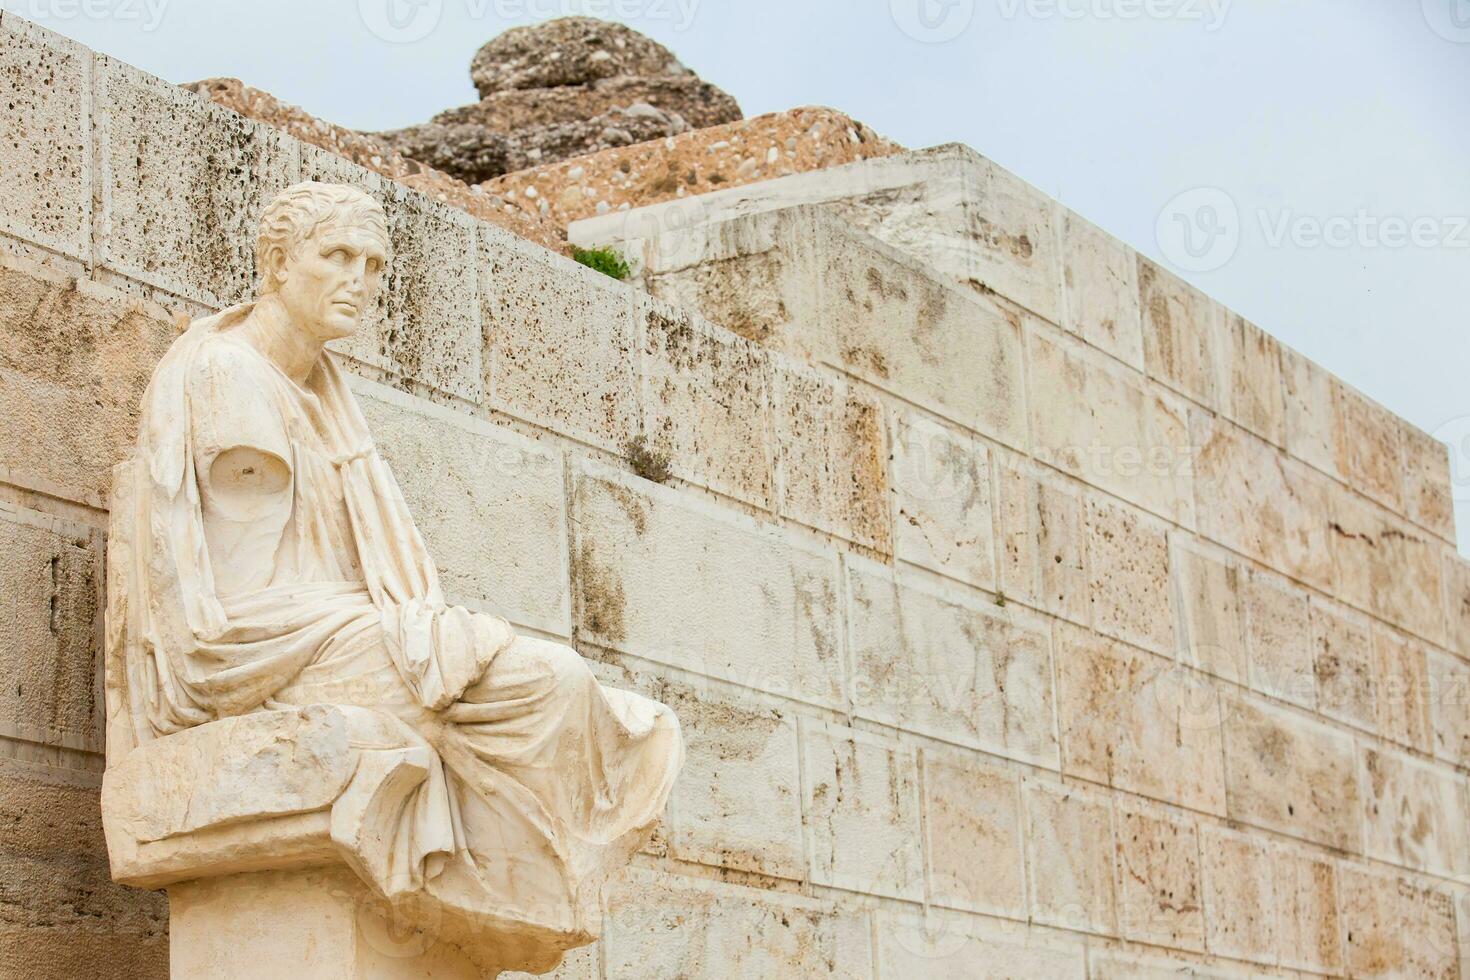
{"x": 301, "y": 209}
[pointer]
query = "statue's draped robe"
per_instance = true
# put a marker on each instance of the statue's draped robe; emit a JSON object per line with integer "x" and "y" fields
{"x": 324, "y": 593}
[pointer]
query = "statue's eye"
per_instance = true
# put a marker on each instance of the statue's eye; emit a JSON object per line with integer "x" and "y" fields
{"x": 339, "y": 255}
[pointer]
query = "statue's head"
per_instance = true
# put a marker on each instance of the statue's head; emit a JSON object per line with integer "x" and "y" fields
{"x": 321, "y": 251}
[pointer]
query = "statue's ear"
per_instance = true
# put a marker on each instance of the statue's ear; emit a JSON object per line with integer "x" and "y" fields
{"x": 275, "y": 265}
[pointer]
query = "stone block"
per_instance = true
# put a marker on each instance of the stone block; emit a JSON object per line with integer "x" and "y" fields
{"x": 1428, "y": 488}
{"x": 861, "y": 799}
{"x": 183, "y": 183}
{"x": 1043, "y": 545}
{"x": 560, "y": 342}
{"x": 46, "y": 87}
{"x": 1241, "y": 913}
{"x": 1128, "y": 575}
{"x": 1396, "y": 927}
{"x": 706, "y": 403}
{"x": 1307, "y": 925}
{"x": 767, "y": 611}
{"x": 1100, "y": 290}
{"x": 831, "y": 456}
{"x": 1456, "y": 576}
{"x": 1209, "y": 609}
{"x": 1449, "y": 708}
{"x": 1369, "y": 454}
{"x": 956, "y": 948}
{"x": 1069, "y": 834}
{"x": 1384, "y": 564}
{"x": 662, "y": 927}
{"x": 1289, "y": 774}
{"x": 973, "y": 836}
{"x": 1102, "y": 423}
{"x": 1252, "y": 390}
{"x": 1160, "y": 900}
{"x": 1401, "y": 689}
{"x": 1416, "y": 813}
{"x": 1343, "y": 660}
{"x": 950, "y": 664}
{"x": 942, "y": 494}
{"x": 1279, "y": 637}
{"x": 1311, "y": 411}
{"x": 1012, "y": 247}
{"x": 50, "y": 588}
{"x": 490, "y": 503}
{"x": 1181, "y": 334}
{"x": 1137, "y": 722}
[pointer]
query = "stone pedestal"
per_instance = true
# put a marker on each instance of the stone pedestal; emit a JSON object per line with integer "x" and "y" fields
{"x": 320, "y": 923}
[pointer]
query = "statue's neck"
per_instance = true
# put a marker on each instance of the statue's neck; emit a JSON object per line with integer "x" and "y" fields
{"x": 291, "y": 347}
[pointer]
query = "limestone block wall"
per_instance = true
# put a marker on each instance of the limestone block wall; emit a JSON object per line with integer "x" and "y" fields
{"x": 1062, "y": 627}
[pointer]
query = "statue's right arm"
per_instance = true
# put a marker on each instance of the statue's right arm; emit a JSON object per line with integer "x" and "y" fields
{"x": 241, "y": 449}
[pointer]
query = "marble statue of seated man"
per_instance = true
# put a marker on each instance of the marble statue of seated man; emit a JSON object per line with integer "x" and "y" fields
{"x": 273, "y": 564}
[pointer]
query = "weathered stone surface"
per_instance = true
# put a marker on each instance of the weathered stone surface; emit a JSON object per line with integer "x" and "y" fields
{"x": 1428, "y": 491}
{"x": 1159, "y": 891}
{"x": 942, "y": 498}
{"x": 1043, "y": 542}
{"x": 706, "y": 403}
{"x": 511, "y": 110}
{"x": 183, "y": 183}
{"x": 639, "y": 552}
{"x": 1290, "y": 774}
{"x": 1457, "y": 602}
{"x": 46, "y": 87}
{"x": 490, "y": 503}
{"x": 1401, "y": 689}
{"x": 1279, "y": 637}
{"x": 1384, "y": 564}
{"x": 1136, "y": 722}
{"x": 567, "y": 51}
{"x": 1241, "y": 913}
{"x": 862, "y": 804}
{"x": 973, "y": 949}
{"x": 949, "y": 664}
{"x": 1128, "y": 575}
{"x": 50, "y": 588}
{"x": 1252, "y": 391}
{"x": 1449, "y": 707}
{"x": 973, "y": 836}
{"x": 1013, "y": 243}
{"x": 1396, "y": 927}
{"x": 1416, "y": 813}
{"x": 1069, "y": 834}
{"x": 546, "y": 320}
{"x": 1343, "y": 660}
{"x": 666, "y": 928}
{"x": 1100, "y": 422}
{"x": 1307, "y": 926}
{"x": 1181, "y": 334}
{"x": 1100, "y": 290}
{"x": 1369, "y": 454}
{"x": 831, "y": 456}
{"x": 1210, "y": 611}
{"x": 1312, "y": 430}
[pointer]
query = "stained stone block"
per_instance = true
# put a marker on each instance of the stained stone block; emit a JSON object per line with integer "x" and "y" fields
{"x": 1279, "y": 637}
{"x": 663, "y": 927}
{"x": 1181, "y": 334}
{"x": 942, "y": 494}
{"x": 1211, "y": 617}
{"x": 46, "y": 88}
{"x": 1159, "y": 891}
{"x": 547, "y": 320}
{"x": 1312, "y": 430}
{"x": 1289, "y": 774}
{"x": 1449, "y": 707}
{"x": 862, "y": 807}
{"x": 1428, "y": 491}
{"x": 1306, "y": 925}
{"x": 1386, "y": 565}
{"x": 1343, "y": 660}
{"x": 831, "y": 456}
{"x": 1043, "y": 543}
{"x": 973, "y": 836}
{"x": 499, "y": 535}
{"x": 1100, "y": 290}
{"x": 1012, "y": 237}
{"x": 948, "y": 947}
{"x": 946, "y": 663}
{"x": 1069, "y": 834}
{"x": 1128, "y": 575}
{"x": 1241, "y": 912}
{"x": 50, "y": 588}
{"x": 183, "y": 183}
{"x": 1137, "y": 722}
{"x": 1416, "y": 813}
{"x": 706, "y": 403}
{"x": 1102, "y": 423}
{"x": 1253, "y": 391}
{"x": 640, "y": 551}
{"x": 1395, "y": 926}
{"x": 1401, "y": 689}
{"x": 1369, "y": 454}
{"x": 1457, "y": 603}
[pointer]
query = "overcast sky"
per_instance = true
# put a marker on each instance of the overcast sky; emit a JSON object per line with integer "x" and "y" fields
{"x": 1307, "y": 163}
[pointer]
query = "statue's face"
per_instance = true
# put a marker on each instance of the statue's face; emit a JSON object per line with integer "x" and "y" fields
{"x": 332, "y": 279}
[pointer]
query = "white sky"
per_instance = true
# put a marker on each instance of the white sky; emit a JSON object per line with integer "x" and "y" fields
{"x": 1300, "y": 112}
